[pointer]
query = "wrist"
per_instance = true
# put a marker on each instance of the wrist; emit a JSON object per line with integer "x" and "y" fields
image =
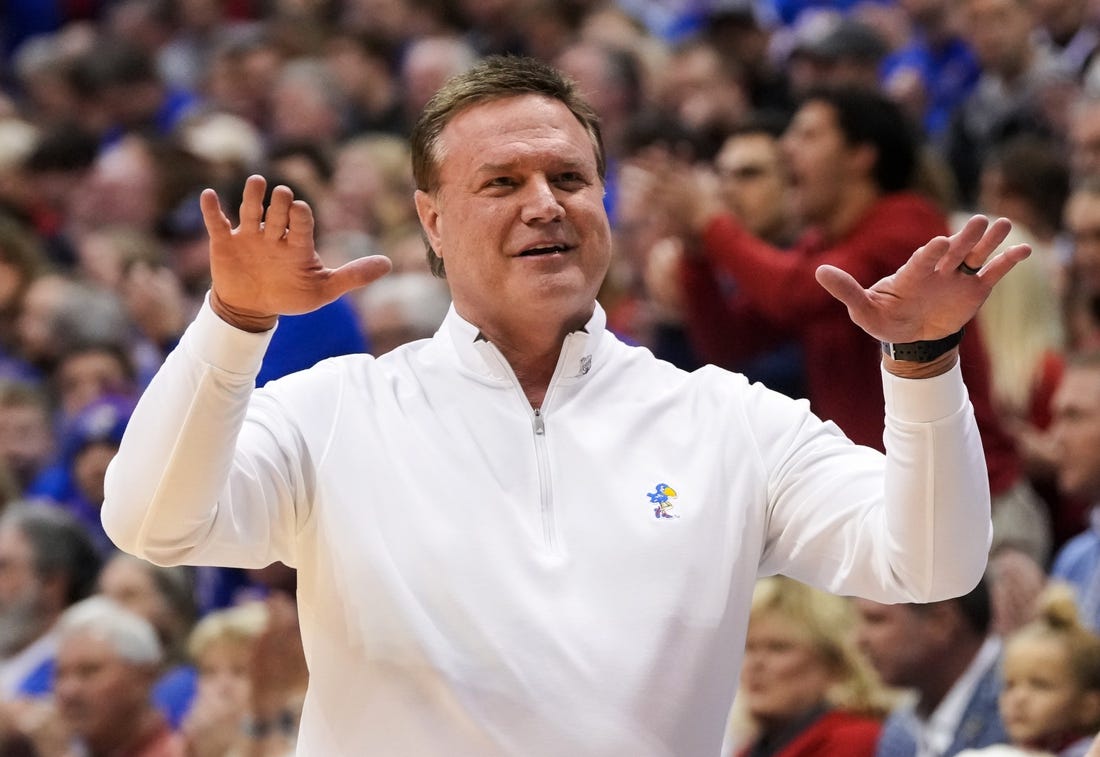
{"x": 922, "y": 359}
{"x": 243, "y": 321}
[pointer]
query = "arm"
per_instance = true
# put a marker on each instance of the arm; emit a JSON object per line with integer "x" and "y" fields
{"x": 911, "y": 526}
{"x": 192, "y": 481}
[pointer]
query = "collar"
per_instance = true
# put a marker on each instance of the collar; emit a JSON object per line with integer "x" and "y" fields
{"x": 939, "y": 731}
{"x": 482, "y": 359}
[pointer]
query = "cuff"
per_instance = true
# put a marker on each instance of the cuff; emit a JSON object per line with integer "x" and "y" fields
{"x": 924, "y": 400}
{"x": 225, "y": 347}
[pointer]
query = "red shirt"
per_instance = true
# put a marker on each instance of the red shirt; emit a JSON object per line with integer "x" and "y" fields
{"x": 834, "y": 733}
{"x": 775, "y": 296}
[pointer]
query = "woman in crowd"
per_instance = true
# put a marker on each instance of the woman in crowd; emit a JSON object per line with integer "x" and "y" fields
{"x": 806, "y": 689}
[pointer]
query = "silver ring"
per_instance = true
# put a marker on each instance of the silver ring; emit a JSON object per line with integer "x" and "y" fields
{"x": 968, "y": 270}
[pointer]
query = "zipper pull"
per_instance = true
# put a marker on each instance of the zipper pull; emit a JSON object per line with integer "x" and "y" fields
{"x": 540, "y": 429}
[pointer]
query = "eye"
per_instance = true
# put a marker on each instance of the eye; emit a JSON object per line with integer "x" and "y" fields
{"x": 500, "y": 182}
{"x": 571, "y": 180}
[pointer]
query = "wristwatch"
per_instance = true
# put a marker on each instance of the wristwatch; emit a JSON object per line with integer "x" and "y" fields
{"x": 924, "y": 351}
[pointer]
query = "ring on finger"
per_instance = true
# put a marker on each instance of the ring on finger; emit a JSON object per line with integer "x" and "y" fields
{"x": 969, "y": 270}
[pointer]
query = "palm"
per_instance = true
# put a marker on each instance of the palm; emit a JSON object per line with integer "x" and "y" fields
{"x": 268, "y": 265}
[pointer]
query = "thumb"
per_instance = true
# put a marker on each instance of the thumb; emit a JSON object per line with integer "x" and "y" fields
{"x": 841, "y": 285}
{"x": 357, "y": 273}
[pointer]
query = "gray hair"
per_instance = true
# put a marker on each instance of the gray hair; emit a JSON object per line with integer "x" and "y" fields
{"x": 131, "y": 636}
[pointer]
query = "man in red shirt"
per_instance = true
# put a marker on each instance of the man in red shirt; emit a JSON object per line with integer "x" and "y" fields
{"x": 852, "y": 157}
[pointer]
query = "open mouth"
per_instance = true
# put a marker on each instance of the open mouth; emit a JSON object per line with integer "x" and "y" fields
{"x": 547, "y": 250}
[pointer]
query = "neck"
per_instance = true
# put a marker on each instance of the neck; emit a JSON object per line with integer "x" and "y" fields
{"x": 130, "y": 739}
{"x": 944, "y": 674}
{"x": 532, "y": 352}
{"x": 853, "y": 205}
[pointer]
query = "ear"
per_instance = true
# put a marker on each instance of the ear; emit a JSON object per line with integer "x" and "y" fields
{"x": 55, "y": 588}
{"x": 431, "y": 220}
{"x": 863, "y": 159}
{"x": 1090, "y": 709}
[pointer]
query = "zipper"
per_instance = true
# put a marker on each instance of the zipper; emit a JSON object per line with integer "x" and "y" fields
{"x": 546, "y": 493}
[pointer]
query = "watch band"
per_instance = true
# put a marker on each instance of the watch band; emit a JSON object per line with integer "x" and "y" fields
{"x": 924, "y": 351}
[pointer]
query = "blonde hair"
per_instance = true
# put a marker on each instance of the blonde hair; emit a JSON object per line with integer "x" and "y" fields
{"x": 243, "y": 623}
{"x": 1059, "y": 621}
{"x": 828, "y": 622}
{"x": 1021, "y": 323}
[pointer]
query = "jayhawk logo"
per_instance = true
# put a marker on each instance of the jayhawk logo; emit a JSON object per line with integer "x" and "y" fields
{"x": 661, "y": 499}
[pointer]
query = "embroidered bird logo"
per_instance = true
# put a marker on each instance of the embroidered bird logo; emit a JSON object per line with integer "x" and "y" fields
{"x": 661, "y": 497}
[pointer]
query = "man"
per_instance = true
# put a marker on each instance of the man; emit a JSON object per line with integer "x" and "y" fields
{"x": 852, "y": 159}
{"x": 107, "y": 662}
{"x": 943, "y": 651}
{"x": 523, "y": 536}
{"x": 47, "y": 562}
{"x": 1076, "y": 432}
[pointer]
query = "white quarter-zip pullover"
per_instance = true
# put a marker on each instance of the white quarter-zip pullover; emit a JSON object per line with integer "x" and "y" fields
{"x": 477, "y": 577}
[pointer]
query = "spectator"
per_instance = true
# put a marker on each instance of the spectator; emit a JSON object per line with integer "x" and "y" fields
{"x": 107, "y": 661}
{"x": 49, "y": 563}
{"x": 944, "y": 652}
{"x": 166, "y": 598}
{"x": 853, "y": 158}
{"x": 806, "y": 687}
{"x": 1005, "y": 100}
{"x": 27, "y": 442}
{"x": 223, "y": 647}
{"x": 1050, "y": 700}
{"x": 1084, "y": 136}
{"x": 1081, "y": 291}
{"x": 1076, "y": 432}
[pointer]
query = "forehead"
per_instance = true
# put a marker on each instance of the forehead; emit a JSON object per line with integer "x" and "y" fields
{"x": 743, "y": 147}
{"x": 1080, "y": 387}
{"x": 85, "y": 647}
{"x": 513, "y": 129}
{"x": 816, "y": 114}
{"x": 1083, "y": 207}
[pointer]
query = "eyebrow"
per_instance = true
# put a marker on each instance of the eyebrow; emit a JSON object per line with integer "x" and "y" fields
{"x": 564, "y": 164}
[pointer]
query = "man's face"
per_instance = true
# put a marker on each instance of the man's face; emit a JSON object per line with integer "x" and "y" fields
{"x": 21, "y": 616}
{"x": 1084, "y": 140}
{"x": 890, "y": 637}
{"x": 1083, "y": 226}
{"x": 754, "y": 182}
{"x": 999, "y": 31}
{"x": 1076, "y": 406}
{"x": 99, "y": 695}
{"x": 518, "y": 215}
{"x": 822, "y": 163}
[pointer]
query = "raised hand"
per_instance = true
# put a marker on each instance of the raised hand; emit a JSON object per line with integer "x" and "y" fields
{"x": 268, "y": 265}
{"x": 937, "y": 291}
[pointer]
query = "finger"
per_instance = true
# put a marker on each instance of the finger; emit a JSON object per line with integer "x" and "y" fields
{"x": 992, "y": 238}
{"x": 841, "y": 285}
{"x": 995, "y": 269}
{"x": 217, "y": 225}
{"x": 299, "y": 224}
{"x": 277, "y": 216}
{"x": 252, "y": 202}
{"x": 962, "y": 242}
{"x": 357, "y": 273}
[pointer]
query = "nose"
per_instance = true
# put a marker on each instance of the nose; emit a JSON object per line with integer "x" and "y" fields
{"x": 540, "y": 204}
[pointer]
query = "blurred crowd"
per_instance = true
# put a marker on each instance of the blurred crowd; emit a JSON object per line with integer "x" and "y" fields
{"x": 747, "y": 143}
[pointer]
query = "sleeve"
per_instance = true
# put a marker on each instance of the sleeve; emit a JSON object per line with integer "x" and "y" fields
{"x": 910, "y": 526}
{"x": 722, "y": 327}
{"x": 782, "y": 284}
{"x": 194, "y": 480}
